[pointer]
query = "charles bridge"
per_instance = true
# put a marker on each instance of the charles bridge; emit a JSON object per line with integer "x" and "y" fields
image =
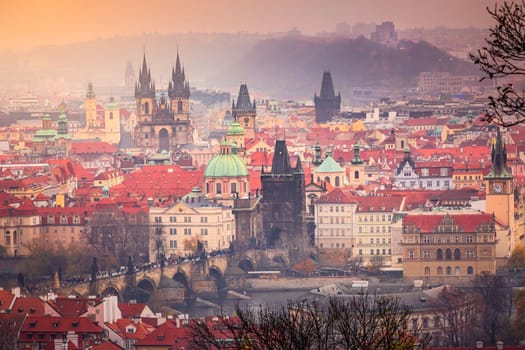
{"x": 208, "y": 275}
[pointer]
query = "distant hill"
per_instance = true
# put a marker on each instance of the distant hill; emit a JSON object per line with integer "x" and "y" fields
{"x": 279, "y": 66}
{"x": 293, "y": 66}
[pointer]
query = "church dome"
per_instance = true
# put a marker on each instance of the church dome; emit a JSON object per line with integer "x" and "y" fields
{"x": 226, "y": 164}
{"x": 235, "y": 129}
{"x": 62, "y": 117}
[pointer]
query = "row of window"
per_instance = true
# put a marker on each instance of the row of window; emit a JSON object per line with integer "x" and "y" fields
{"x": 427, "y": 254}
{"x": 187, "y": 231}
{"x": 448, "y": 271}
{"x": 448, "y": 239}
{"x": 377, "y": 252}
{"x": 187, "y": 219}
{"x": 219, "y": 187}
{"x": 173, "y": 244}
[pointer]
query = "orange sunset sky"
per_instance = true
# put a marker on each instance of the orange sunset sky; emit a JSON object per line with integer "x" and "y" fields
{"x": 25, "y": 24}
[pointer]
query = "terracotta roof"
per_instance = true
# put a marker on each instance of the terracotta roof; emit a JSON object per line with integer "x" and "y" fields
{"x": 337, "y": 196}
{"x": 56, "y": 324}
{"x": 379, "y": 203}
{"x": 140, "y": 330}
{"x": 467, "y": 222}
{"x": 92, "y": 147}
{"x": 28, "y": 306}
{"x": 72, "y": 306}
{"x": 167, "y": 334}
{"x": 6, "y": 298}
{"x": 131, "y": 310}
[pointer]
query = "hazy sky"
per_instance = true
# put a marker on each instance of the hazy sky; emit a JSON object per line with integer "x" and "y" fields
{"x": 28, "y": 23}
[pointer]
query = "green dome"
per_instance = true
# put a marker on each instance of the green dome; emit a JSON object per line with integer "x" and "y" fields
{"x": 46, "y": 117}
{"x": 235, "y": 129}
{"x": 226, "y": 165}
{"x": 62, "y": 116}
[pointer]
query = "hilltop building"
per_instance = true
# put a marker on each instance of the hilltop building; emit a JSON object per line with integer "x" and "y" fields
{"x": 327, "y": 104}
{"x": 163, "y": 124}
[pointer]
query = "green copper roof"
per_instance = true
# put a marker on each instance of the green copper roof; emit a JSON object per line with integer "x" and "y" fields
{"x": 46, "y": 117}
{"x": 62, "y": 116}
{"x": 235, "y": 129}
{"x": 111, "y": 104}
{"x": 226, "y": 165}
{"x": 329, "y": 165}
{"x": 46, "y": 133}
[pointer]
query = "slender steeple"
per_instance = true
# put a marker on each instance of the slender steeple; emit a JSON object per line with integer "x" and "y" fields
{"x": 178, "y": 86}
{"x": 244, "y": 104}
{"x": 145, "y": 87}
{"x": 499, "y": 159}
{"x": 90, "y": 93}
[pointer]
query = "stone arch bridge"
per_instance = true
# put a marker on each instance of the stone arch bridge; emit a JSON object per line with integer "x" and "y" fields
{"x": 183, "y": 281}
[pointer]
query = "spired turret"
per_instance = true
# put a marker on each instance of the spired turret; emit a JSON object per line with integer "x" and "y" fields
{"x": 145, "y": 87}
{"x": 178, "y": 87}
{"x": 244, "y": 111}
{"x": 327, "y": 104}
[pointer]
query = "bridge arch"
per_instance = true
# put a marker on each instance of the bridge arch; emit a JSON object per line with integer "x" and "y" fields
{"x": 181, "y": 277}
{"x": 247, "y": 264}
{"x": 112, "y": 290}
{"x": 145, "y": 289}
{"x": 280, "y": 259}
{"x": 218, "y": 276}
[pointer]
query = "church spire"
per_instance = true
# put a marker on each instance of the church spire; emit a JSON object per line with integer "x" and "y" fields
{"x": 144, "y": 87}
{"x": 178, "y": 86}
{"x": 499, "y": 167}
{"x": 90, "y": 93}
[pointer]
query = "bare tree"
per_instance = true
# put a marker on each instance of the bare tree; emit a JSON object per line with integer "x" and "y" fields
{"x": 504, "y": 57}
{"x": 455, "y": 315}
{"x": 495, "y": 306}
{"x": 357, "y": 322}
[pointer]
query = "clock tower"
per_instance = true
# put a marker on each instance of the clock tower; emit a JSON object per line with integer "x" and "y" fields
{"x": 499, "y": 191}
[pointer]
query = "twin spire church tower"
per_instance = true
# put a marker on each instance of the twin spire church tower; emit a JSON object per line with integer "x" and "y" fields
{"x": 162, "y": 124}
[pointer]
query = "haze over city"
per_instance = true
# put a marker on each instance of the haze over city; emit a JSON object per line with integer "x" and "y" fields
{"x": 35, "y": 23}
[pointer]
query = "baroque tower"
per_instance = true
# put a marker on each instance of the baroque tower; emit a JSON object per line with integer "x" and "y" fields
{"x": 499, "y": 191}
{"x": 90, "y": 106}
{"x": 283, "y": 203}
{"x": 244, "y": 111}
{"x": 327, "y": 104}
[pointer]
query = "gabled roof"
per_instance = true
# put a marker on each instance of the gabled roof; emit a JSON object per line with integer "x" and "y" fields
{"x": 28, "y": 306}
{"x": 71, "y": 306}
{"x": 139, "y": 329}
{"x": 6, "y": 299}
{"x": 337, "y": 196}
{"x": 61, "y": 324}
{"x": 131, "y": 310}
{"x": 92, "y": 147}
{"x": 167, "y": 334}
{"x": 468, "y": 223}
{"x": 379, "y": 203}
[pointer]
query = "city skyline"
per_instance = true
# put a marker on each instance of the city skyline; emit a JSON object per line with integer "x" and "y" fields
{"x": 32, "y": 24}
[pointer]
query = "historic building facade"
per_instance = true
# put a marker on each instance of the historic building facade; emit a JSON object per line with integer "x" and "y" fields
{"x": 448, "y": 247}
{"x": 244, "y": 111}
{"x": 163, "y": 124}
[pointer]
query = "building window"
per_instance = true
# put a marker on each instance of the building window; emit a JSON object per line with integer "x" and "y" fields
{"x": 187, "y": 219}
{"x": 173, "y": 219}
{"x": 411, "y": 254}
{"x": 448, "y": 254}
{"x": 173, "y": 231}
{"x": 204, "y": 219}
{"x": 457, "y": 254}
{"x": 439, "y": 270}
{"x": 360, "y": 251}
{"x": 187, "y": 231}
{"x": 449, "y": 271}
{"x": 76, "y": 219}
{"x": 173, "y": 244}
{"x": 470, "y": 271}
{"x": 469, "y": 254}
{"x": 204, "y": 231}
{"x": 218, "y": 187}
{"x": 427, "y": 271}
{"x": 50, "y": 219}
{"x": 426, "y": 254}
{"x": 458, "y": 271}
{"x": 233, "y": 187}
{"x": 439, "y": 254}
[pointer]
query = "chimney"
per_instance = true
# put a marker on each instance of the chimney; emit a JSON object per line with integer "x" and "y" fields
{"x": 479, "y": 345}
{"x": 499, "y": 345}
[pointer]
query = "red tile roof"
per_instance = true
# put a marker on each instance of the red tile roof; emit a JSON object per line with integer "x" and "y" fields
{"x": 6, "y": 298}
{"x": 131, "y": 310}
{"x": 72, "y": 306}
{"x": 92, "y": 147}
{"x": 28, "y": 306}
{"x": 467, "y": 222}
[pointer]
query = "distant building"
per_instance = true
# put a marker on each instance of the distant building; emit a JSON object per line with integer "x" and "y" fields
{"x": 385, "y": 33}
{"x": 327, "y": 104}
{"x": 244, "y": 111}
{"x": 129, "y": 76}
{"x": 163, "y": 124}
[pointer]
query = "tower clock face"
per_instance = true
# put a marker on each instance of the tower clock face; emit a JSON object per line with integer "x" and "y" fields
{"x": 498, "y": 188}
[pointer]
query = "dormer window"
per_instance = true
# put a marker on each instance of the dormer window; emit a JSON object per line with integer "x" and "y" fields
{"x": 50, "y": 219}
{"x": 63, "y": 219}
{"x": 130, "y": 330}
